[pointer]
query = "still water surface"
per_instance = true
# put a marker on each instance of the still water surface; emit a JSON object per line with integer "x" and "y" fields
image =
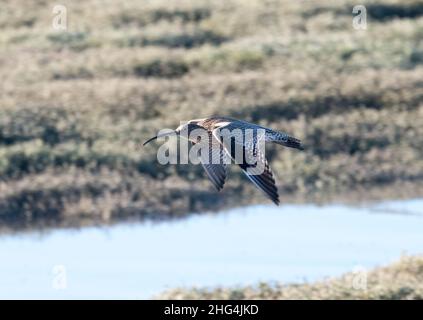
{"x": 290, "y": 243}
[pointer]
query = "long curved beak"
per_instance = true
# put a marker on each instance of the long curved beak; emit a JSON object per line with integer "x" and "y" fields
{"x": 159, "y": 136}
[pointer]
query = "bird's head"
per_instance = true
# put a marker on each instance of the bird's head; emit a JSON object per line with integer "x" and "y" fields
{"x": 185, "y": 128}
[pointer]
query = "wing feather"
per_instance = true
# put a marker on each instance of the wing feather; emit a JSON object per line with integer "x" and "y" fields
{"x": 254, "y": 163}
{"x": 214, "y": 163}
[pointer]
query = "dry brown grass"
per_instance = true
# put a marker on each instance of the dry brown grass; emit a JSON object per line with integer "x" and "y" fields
{"x": 402, "y": 280}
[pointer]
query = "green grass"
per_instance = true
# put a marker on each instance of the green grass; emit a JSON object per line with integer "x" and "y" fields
{"x": 76, "y": 105}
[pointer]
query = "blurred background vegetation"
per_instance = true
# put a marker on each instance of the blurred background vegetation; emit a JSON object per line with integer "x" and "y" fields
{"x": 75, "y": 105}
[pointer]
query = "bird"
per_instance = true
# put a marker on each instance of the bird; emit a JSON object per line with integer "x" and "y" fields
{"x": 259, "y": 172}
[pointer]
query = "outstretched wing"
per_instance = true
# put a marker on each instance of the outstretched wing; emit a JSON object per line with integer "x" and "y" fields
{"x": 216, "y": 173}
{"x": 252, "y": 161}
{"x": 214, "y": 162}
{"x": 261, "y": 175}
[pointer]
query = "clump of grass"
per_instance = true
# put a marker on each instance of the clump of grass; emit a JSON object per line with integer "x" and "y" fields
{"x": 402, "y": 280}
{"x": 48, "y": 125}
{"x": 23, "y": 21}
{"x": 193, "y": 15}
{"x": 70, "y": 74}
{"x": 384, "y": 12}
{"x": 185, "y": 40}
{"x": 144, "y": 17}
{"x": 161, "y": 68}
{"x": 77, "y": 41}
{"x": 229, "y": 59}
{"x": 415, "y": 58}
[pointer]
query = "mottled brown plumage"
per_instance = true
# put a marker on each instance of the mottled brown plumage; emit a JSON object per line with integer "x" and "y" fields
{"x": 259, "y": 171}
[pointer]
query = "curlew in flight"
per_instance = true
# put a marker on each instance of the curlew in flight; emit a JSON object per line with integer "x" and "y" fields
{"x": 257, "y": 171}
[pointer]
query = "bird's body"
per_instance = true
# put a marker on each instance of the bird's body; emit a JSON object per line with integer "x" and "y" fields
{"x": 245, "y": 139}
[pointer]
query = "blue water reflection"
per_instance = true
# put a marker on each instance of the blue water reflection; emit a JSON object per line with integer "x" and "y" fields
{"x": 290, "y": 243}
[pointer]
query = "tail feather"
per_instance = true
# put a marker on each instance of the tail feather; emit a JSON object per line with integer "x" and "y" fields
{"x": 285, "y": 140}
